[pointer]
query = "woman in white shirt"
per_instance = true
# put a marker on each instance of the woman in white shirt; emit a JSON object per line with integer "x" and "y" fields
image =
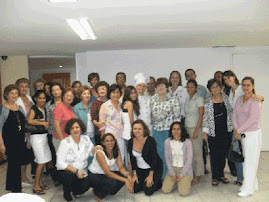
{"x": 72, "y": 159}
{"x": 107, "y": 174}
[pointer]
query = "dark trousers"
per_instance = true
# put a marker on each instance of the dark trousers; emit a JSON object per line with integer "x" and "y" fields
{"x": 103, "y": 185}
{"x": 205, "y": 151}
{"x": 217, "y": 157}
{"x": 13, "y": 181}
{"x": 72, "y": 184}
{"x": 142, "y": 174}
{"x": 52, "y": 149}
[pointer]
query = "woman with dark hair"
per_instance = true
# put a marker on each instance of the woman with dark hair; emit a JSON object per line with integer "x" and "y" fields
{"x": 107, "y": 174}
{"x": 38, "y": 117}
{"x": 12, "y": 122}
{"x": 47, "y": 88}
{"x": 217, "y": 128}
{"x": 62, "y": 113}
{"x": 72, "y": 159}
{"x": 178, "y": 158}
{"x": 177, "y": 90}
{"x": 130, "y": 112}
{"x": 76, "y": 90}
{"x": 147, "y": 165}
{"x": 246, "y": 120}
{"x": 165, "y": 109}
{"x": 218, "y": 75}
{"x": 194, "y": 110}
{"x": 102, "y": 89}
{"x": 111, "y": 115}
{"x": 93, "y": 79}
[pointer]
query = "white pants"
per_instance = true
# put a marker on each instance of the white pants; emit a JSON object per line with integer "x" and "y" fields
{"x": 251, "y": 148}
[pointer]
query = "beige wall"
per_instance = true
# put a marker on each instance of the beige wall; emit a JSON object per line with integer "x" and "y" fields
{"x": 13, "y": 68}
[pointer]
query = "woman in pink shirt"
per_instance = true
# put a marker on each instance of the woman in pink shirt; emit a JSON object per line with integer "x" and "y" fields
{"x": 246, "y": 120}
{"x": 62, "y": 113}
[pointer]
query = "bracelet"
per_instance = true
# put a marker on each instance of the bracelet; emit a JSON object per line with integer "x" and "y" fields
{"x": 75, "y": 172}
{"x": 125, "y": 174}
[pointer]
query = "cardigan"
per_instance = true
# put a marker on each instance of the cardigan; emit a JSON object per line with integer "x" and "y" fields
{"x": 149, "y": 153}
{"x": 187, "y": 158}
{"x": 208, "y": 118}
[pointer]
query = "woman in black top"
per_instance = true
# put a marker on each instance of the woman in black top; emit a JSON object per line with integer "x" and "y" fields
{"x": 12, "y": 122}
{"x": 38, "y": 138}
{"x": 146, "y": 163}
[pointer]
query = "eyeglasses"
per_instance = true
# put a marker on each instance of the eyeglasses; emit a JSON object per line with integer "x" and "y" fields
{"x": 120, "y": 78}
{"x": 161, "y": 85}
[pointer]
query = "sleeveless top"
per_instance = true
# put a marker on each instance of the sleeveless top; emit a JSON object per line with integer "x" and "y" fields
{"x": 95, "y": 168}
{"x": 40, "y": 116}
{"x": 126, "y": 123}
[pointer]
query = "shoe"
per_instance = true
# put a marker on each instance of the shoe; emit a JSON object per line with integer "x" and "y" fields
{"x": 67, "y": 196}
{"x": 244, "y": 194}
{"x": 224, "y": 180}
{"x": 39, "y": 192}
{"x": 195, "y": 180}
{"x": 233, "y": 173}
{"x": 215, "y": 182}
{"x": 44, "y": 187}
{"x": 77, "y": 195}
{"x": 238, "y": 183}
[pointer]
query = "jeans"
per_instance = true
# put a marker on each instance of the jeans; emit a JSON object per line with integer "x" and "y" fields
{"x": 239, "y": 171}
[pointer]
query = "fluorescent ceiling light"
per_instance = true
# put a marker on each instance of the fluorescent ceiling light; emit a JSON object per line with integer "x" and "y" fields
{"x": 82, "y": 28}
{"x": 62, "y": 1}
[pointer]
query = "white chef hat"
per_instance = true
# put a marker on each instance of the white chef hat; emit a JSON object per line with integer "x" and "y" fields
{"x": 141, "y": 78}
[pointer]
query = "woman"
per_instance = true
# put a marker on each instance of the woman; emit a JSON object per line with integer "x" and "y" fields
{"x": 38, "y": 139}
{"x": 62, "y": 113}
{"x": 39, "y": 84}
{"x": 141, "y": 81}
{"x": 72, "y": 159}
{"x": 25, "y": 101}
{"x": 177, "y": 90}
{"x": 217, "y": 128}
{"x": 47, "y": 88}
{"x": 146, "y": 163}
{"x": 82, "y": 111}
{"x": 130, "y": 112}
{"x": 194, "y": 110}
{"x": 76, "y": 85}
{"x": 107, "y": 174}
{"x": 165, "y": 110}
{"x": 246, "y": 120}
{"x": 93, "y": 79}
{"x": 224, "y": 88}
{"x": 12, "y": 121}
{"x": 102, "y": 89}
{"x": 178, "y": 158}
{"x": 111, "y": 115}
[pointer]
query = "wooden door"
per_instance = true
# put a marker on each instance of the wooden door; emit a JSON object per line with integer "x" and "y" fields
{"x": 62, "y": 78}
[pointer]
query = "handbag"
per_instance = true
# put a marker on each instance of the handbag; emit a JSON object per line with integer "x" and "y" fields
{"x": 34, "y": 129}
{"x": 235, "y": 156}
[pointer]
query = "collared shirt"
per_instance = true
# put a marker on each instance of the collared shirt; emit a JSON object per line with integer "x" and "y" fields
{"x": 164, "y": 112}
{"x": 192, "y": 110}
{"x": 181, "y": 94}
{"x": 112, "y": 119}
{"x": 201, "y": 90}
{"x": 73, "y": 154}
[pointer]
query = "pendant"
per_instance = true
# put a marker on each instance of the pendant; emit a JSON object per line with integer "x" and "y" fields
{"x": 19, "y": 127}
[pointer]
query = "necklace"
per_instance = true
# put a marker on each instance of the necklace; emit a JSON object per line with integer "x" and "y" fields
{"x": 18, "y": 119}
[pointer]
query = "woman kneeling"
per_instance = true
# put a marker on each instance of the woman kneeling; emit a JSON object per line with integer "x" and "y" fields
{"x": 178, "y": 157}
{"x": 107, "y": 174}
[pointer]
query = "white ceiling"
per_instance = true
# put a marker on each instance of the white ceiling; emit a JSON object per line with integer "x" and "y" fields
{"x": 37, "y": 27}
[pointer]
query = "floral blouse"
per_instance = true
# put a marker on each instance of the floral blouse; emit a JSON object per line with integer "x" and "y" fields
{"x": 164, "y": 112}
{"x": 112, "y": 119}
{"x": 50, "y": 108}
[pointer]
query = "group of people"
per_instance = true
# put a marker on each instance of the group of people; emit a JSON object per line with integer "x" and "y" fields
{"x": 147, "y": 137}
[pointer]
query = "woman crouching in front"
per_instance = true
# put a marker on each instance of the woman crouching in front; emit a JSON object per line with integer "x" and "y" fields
{"x": 178, "y": 157}
{"x": 107, "y": 174}
{"x": 146, "y": 163}
{"x": 72, "y": 159}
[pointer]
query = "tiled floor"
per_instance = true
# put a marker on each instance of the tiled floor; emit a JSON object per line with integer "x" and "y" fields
{"x": 201, "y": 192}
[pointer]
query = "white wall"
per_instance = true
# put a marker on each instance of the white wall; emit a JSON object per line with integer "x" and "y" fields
{"x": 160, "y": 62}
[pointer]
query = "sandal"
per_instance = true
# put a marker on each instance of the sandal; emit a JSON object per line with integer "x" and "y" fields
{"x": 39, "y": 192}
{"x": 215, "y": 182}
{"x": 77, "y": 195}
{"x": 238, "y": 183}
{"x": 44, "y": 187}
{"x": 195, "y": 180}
{"x": 224, "y": 180}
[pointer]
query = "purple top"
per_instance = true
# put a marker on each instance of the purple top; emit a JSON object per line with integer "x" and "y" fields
{"x": 246, "y": 116}
{"x": 187, "y": 158}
